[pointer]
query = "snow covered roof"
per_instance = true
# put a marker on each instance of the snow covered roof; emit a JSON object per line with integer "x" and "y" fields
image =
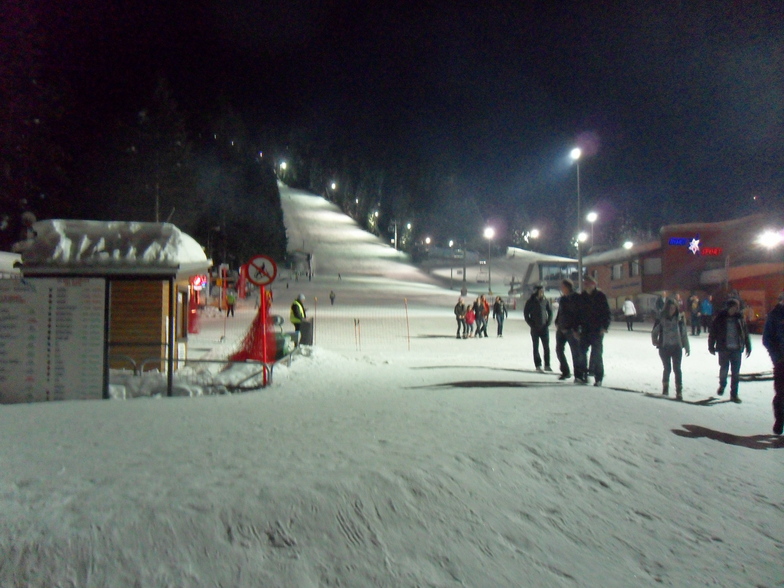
{"x": 7, "y": 261}
{"x": 111, "y": 248}
{"x": 621, "y": 254}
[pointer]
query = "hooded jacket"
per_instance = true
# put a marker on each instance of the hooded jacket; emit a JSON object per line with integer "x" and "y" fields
{"x": 717, "y": 338}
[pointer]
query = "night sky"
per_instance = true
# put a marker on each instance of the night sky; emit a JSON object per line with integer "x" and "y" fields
{"x": 679, "y": 105}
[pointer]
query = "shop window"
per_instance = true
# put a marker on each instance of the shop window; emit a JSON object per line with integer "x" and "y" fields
{"x": 634, "y": 268}
{"x": 617, "y": 271}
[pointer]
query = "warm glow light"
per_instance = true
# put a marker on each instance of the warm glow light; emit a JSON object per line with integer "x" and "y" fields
{"x": 582, "y": 237}
{"x": 535, "y": 233}
{"x": 333, "y": 185}
{"x": 427, "y": 240}
{"x": 575, "y": 153}
{"x": 451, "y": 242}
{"x": 591, "y": 217}
{"x": 489, "y": 233}
{"x": 408, "y": 226}
{"x": 283, "y": 165}
{"x": 770, "y": 239}
{"x": 628, "y": 245}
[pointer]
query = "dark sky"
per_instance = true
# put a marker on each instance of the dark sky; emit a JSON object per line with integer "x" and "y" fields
{"x": 679, "y": 104}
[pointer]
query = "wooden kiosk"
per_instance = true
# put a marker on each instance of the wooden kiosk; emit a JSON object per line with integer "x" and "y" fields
{"x": 142, "y": 270}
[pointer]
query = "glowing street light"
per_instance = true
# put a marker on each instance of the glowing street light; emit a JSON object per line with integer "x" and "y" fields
{"x": 770, "y": 239}
{"x": 575, "y": 155}
{"x": 628, "y": 245}
{"x": 582, "y": 237}
{"x": 333, "y": 185}
{"x": 591, "y": 218}
{"x": 535, "y": 233}
{"x": 283, "y": 165}
{"x": 489, "y": 234}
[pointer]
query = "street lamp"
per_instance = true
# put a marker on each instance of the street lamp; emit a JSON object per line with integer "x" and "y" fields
{"x": 535, "y": 233}
{"x": 770, "y": 239}
{"x": 451, "y": 263}
{"x": 591, "y": 218}
{"x": 333, "y": 185}
{"x": 628, "y": 245}
{"x": 489, "y": 234}
{"x": 575, "y": 155}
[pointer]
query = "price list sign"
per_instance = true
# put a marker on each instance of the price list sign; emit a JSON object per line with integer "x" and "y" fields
{"x": 51, "y": 339}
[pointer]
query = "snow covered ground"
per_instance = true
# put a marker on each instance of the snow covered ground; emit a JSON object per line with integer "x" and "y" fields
{"x": 366, "y": 463}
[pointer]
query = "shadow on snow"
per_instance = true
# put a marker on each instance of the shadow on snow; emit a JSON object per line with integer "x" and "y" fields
{"x": 751, "y": 442}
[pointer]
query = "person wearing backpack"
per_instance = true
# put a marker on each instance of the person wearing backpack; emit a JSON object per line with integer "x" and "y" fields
{"x": 729, "y": 335}
{"x": 669, "y": 337}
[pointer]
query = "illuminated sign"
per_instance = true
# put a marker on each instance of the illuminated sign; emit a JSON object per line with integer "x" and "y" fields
{"x": 693, "y": 245}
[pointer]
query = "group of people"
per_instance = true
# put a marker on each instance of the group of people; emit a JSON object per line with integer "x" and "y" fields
{"x": 476, "y": 316}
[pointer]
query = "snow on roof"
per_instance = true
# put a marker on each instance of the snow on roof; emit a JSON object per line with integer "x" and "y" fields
{"x": 112, "y": 247}
{"x": 620, "y": 254}
{"x": 7, "y": 261}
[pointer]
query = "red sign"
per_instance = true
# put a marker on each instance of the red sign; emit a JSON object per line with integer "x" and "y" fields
{"x": 262, "y": 270}
{"x": 712, "y": 251}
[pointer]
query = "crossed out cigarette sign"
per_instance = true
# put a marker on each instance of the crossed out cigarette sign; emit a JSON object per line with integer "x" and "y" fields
{"x": 262, "y": 270}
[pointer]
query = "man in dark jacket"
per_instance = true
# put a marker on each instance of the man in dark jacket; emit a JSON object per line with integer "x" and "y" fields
{"x": 539, "y": 314}
{"x": 499, "y": 314}
{"x": 773, "y": 340}
{"x": 595, "y": 317}
{"x": 567, "y": 323}
{"x": 729, "y": 335}
{"x": 460, "y": 315}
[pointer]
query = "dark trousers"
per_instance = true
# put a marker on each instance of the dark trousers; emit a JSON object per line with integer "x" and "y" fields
{"x": 461, "y": 324}
{"x": 629, "y": 323}
{"x": 695, "y": 324}
{"x": 730, "y": 361}
{"x": 561, "y": 339}
{"x": 594, "y": 342}
{"x": 671, "y": 359}
{"x": 230, "y": 310}
{"x": 543, "y": 335}
{"x": 481, "y": 327}
{"x": 500, "y": 319}
{"x": 705, "y": 319}
{"x": 778, "y": 391}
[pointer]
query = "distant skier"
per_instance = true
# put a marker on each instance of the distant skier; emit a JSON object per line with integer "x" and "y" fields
{"x": 332, "y": 297}
{"x": 231, "y": 300}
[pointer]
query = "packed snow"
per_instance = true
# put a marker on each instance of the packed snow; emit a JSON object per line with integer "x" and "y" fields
{"x": 391, "y": 453}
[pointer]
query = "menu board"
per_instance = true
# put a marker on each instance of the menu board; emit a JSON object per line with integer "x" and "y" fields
{"x": 51, "y": 339}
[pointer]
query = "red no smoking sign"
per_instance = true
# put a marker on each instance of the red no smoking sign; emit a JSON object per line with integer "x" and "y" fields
{"x": 262, "y": 270}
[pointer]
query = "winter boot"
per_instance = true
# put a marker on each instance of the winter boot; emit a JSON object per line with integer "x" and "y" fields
{"x": 665, "y": 388}
{"x": 678, "y": 393}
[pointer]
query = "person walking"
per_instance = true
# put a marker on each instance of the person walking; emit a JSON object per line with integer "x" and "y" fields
{"x": 629, "y": 312}
{"x": 706, "y": 313}
{"x": 499, "y": 314}
{"x": 470, "y": 320}
{"x": 669, "y": 337}
{"x": 694, "y": 314}
{"x": 460, "y": 316}
{"x": 567, "y": 323}
{"x": 595, "y": 322}
{"x": 660, "y": 303}
{"x": 332, "y": 298}
{"x": 773, "y": 340}
{"x": 729, "y": 335}
{"x": 298, "y": 312}
{"x": 485, "y": 314}
{"x": 538, "y": 314}
{"x": 479, "y": 317}
{"x": 231, "y": 300}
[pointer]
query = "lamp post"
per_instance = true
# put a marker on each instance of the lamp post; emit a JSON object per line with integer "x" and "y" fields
{"x": 591, "y": 218}
{"x": 575, "y": 155}
{"x": 451, "y": 264}
{"x": 489, "y": 234}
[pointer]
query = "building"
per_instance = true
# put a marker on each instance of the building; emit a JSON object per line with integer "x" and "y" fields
{"x": 709, "y": 259}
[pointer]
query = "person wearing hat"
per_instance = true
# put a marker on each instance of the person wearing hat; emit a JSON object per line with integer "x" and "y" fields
{"x": 538, "y": 315}
{"x": 729, "y": 335}
{"x": 773, "y": 340}
{"x": 298, "y": 313}
{"x": 595, "y": 320}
